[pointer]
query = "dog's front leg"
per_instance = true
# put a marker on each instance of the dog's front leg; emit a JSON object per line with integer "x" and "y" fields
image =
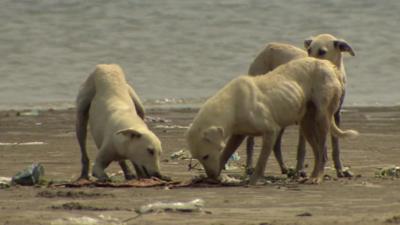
{"x": 249, "y": 155}
{"x": 336, "y": 152}
{"x": 103, "y": 159}
{"x": 269, "y": 139}
{"x": 233, "y": 143}
{"x": 127, "y": 171}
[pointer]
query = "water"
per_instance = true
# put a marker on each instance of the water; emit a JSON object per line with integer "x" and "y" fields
{"x": 177, "y": 51}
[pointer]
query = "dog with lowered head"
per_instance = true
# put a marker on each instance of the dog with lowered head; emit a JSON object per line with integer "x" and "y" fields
{"x": 305, "y": 91}
{"x": 323, "y": 46}
{"x": 115, "y": 115}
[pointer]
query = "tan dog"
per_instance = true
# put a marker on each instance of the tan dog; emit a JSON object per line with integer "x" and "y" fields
{"x": 323, "y": 46}
{"x": 306, "y": 90}
{"x": 115, "y": 114}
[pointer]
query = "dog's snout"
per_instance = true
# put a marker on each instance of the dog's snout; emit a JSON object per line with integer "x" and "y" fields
{"x": 321, "y": 52}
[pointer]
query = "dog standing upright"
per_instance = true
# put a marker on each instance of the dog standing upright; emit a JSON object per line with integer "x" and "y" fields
{"x": 115, "y": 116}
{"x": 308, "y": 90}
{"x": 323, "y": 46}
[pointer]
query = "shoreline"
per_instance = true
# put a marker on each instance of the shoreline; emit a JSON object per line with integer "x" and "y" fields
{"x": 183, "y": 107}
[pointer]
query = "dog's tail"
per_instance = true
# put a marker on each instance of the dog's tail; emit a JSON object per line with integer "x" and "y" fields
{"x": 337, "y": 132}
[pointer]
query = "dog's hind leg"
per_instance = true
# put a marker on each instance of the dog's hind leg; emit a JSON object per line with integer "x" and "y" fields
{"x": 269, "y": 139}
{"x": 315, "y": 126}
{"x": 278, "y": 152}
{"x": 127, "y": 171}
{"x": 249, "y": 155}
{"x": 231, "y": 146}
{"x": 136, "y": 101}
{"x": 301, "y": 154}
{"x": 83, "y": 101}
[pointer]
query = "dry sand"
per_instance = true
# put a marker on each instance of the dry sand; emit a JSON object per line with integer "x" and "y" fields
{"x": 362, "y": 200}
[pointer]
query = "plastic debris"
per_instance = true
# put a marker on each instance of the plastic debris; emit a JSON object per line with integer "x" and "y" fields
{"x": 156, "y": 119}
{"x": 234, "y": 158}
{"x": 5, "y": 182}
{"x": 228, "y": 180}
{"x": 33, "y": 112}
{"x": 86, "y": 220}
{"x": 181, "y": 154}
{"x": 191, "y": 206}
{"x": 22, "y": 143}
{"x": 29, "y": 176}
{"x": 304, "y": 214}
{"x": 390, "y": 171}
{"x": 171, "y": 127}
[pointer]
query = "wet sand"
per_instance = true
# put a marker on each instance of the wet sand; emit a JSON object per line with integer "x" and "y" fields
{"x": 364, "y": 199}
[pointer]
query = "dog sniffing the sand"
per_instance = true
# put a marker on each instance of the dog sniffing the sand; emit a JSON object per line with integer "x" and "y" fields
{"x": 305, "y": 91}
{"x": 115, "y": 115}
{"x": 323, "y": 46}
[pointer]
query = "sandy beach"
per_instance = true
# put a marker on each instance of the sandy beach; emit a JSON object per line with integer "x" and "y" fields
{"x": 364, "y": 199}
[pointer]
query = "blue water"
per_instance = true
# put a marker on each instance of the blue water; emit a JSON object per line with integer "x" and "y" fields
{"x": 179, "y": 52}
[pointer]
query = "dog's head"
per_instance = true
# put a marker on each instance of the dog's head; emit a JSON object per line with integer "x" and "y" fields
{"x": 326, "y": 46}
{"x": 143, "y": 149}
{"x": 206, "y": 146}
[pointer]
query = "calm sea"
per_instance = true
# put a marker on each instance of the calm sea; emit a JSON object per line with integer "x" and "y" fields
{"x": 182, "y": 51}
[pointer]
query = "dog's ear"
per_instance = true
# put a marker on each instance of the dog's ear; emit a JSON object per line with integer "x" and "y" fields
{"x": 343, "y": 46}
{"x": 308, "y": 42}
{"x": 214, "y": 135}
{"x": 131, "y": 133}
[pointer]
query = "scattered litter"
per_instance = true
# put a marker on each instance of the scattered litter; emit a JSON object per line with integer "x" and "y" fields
{"x": 5, "y": 182}
{"x": 394, "y": 220}
{"x": 33, "y": 112}
{"x": 194, "y": 164}
{"x": 169, "y": 101}
{"x": 291, "y": 172}
{"x": 203, "y": 181}
{"x": 181, "y": 154}
{"x": 234, "y": 158}
{"x": 139, "y": 183}
{"x": 79, "y": 206}
{"x": 304, "y": 214}
{"x": 22, "y": 143}
{"x": 228, "y": 180}
{"x": 29, "y": 176}
{"x": 156, "y": 119}
{"x": 71, "y": 194}
{"x": 85, "y": 220}
{"x": 171, "y": 127}
{"x": 191, "y": 206}
{"x": 390, "y": 171}
{"x": 370, "y": 185}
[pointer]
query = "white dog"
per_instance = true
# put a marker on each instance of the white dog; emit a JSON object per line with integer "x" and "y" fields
{"x": 305, "y": 91}
{"x": 323, "y": 46}
{"x": 115, "y": 114}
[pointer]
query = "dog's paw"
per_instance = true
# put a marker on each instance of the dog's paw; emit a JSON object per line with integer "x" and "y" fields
{"x": 344, "y": 173}
{"x": 249, "y": 171}
{"x": 311, "y": 180}
{"x": 302, "y": 174}
{"x": 284, "y": 170}
{"x": 315, "y": 180}
{"x": 130, "y": 177}
{"x": 253, "y": 179}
